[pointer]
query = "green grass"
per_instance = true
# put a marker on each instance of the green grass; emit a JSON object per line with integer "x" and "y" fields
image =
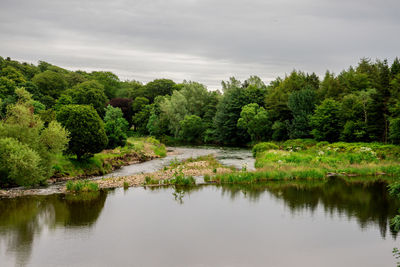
{"x": 307, "y": 159}
{"x": 82, "y": 186}
{"x": 295, "y": 157}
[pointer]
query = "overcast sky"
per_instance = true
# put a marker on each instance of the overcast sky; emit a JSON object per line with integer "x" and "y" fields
{"x": 201, "y": 40}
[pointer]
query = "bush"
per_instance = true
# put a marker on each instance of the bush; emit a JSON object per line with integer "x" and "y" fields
{"x": 19, "y": 164}
{"x": 24, "y": 134}
{"x": 264, "y": 146}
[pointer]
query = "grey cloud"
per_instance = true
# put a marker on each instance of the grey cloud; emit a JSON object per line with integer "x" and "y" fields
{"x": 202, "y": 40}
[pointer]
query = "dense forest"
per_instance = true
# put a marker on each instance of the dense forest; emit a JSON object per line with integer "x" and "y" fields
{"x": 46, "y": 109}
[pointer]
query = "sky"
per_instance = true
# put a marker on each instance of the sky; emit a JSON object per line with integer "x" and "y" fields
{"x": 200, "y": 40}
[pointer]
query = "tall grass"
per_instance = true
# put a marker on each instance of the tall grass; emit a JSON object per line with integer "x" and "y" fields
{"x": 82, "y": 186}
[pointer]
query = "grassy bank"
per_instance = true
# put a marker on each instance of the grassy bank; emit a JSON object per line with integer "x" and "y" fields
{"x": 308, "y": 159}
{"x": 136, "y": 150}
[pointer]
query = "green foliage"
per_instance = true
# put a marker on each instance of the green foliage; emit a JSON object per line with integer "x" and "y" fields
{"x": 50, "y": 83}
{"x": 19, "y": 164}
{"x": 192, "y": 99}
{"x": 115, "y": 126}
{"x": 180, "y": 180}
{"x": 192, "y": 128}
{"x": 301, "y": 104}
{"x": 86, "y": 129}
{"x": 141, "y": 119}
{"x": 228, "y": 114}
{"x": 394, "y": 190}
{"x": 25, "y": 136}
{"x": 7, "y": 87}
{"x": 256, "y": 122}
{"x": 261, "y": 147}
{"x": 158, "y": 87}
{"x": 109, "y": 81}
{"x": 326, "y": 121}
{"x": 82, "y": 186}
{"x": 396, "y": 251}
{"x": 359, "y": 104}
{"x": 139, "y": 103}
{"x": 394, "y": 133}
{"x": 88, "y": 93}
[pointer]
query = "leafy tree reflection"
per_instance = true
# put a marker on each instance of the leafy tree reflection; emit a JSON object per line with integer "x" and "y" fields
{"x": 23, "y": 219}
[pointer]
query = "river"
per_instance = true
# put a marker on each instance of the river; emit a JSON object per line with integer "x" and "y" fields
{"x": 333, "y": 222}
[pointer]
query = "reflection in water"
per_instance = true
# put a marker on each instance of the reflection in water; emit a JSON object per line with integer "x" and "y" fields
{"x": 21, "y": 219}
{"x": 24, "y": 219}
{"x": 368, "y": 202}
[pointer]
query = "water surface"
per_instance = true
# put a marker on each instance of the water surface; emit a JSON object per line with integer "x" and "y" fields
{"x": 236, "y": 157}
{"x": 312, "y": 223}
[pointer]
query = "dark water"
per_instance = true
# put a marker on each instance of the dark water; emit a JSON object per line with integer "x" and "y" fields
{"x": 311, "y": 223}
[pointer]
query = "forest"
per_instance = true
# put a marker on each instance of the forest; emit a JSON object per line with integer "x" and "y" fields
{"x": 47, "y": 111}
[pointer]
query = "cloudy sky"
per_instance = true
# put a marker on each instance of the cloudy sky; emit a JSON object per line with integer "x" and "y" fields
{"x": 200, "y": 40}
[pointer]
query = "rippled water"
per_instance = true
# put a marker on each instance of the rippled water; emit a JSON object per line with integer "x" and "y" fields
{"x": 312, "y": 223}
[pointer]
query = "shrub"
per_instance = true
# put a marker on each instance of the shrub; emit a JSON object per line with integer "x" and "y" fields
{"x": 19, "y": 164}
{"x": 264, "y": 146}
{"x": 25, "y": 130}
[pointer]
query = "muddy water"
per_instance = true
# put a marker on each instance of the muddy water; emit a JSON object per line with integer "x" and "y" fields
{"x": 334, "y": 222}
{"x": 236, "y": 157}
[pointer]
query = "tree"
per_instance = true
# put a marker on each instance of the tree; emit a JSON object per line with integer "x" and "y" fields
{"x": 326, "y": 121}
{"x": 192, "y": 128}
{"x": 125, "y": 104}
{"x": 192, "y": 99}
{"x": 108, "y": 80}
{"x": 131, "y": 89}
{"x": 158, "y": 87}
{"x": 89, "y": 93}
{"x": 255, "y": 121}
{"x": 29, "y": 139}
{"x": 394, "y": 134}
{"x": 50, "y": 83}
{"x": 7, "y": 87}
{"x": 115, "y": 126}
{"x": 139, "y": 103}
{"x": 228, "y": 113}
{"x": 141, "y": 118}
{"x": 86, "y": 130}
{"x": 301, "y": 104}
{"x": 14, "y": 75}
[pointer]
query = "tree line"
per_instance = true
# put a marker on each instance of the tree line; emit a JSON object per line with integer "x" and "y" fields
{"x": 91, "y": 111}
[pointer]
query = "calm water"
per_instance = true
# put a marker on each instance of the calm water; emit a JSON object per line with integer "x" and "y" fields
{"x": 331, "y": 223}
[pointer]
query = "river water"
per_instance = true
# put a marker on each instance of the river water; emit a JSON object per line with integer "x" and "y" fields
{"x": 236, "y": 157}
{"x": 334, "y": 222}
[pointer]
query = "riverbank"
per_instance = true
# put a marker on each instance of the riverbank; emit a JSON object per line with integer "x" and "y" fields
{"x": 290, "y": 160}
{"x": 136, "y": 150}
{"x": 308, "y": 159}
